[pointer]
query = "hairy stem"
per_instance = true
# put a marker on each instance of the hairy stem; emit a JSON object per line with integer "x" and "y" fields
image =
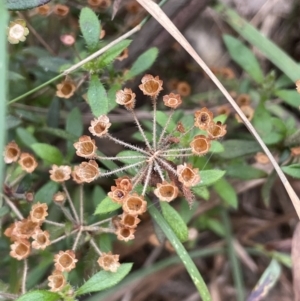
{"x": 104, "y": 174}
{"x": 70, "y": 202}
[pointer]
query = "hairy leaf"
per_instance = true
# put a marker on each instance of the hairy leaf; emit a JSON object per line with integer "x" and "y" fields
{"x": 107, "y": 206}
{"x": 40, "y": 296}
{"x": 48, "y": 153}
{"x": 24, "y": 4}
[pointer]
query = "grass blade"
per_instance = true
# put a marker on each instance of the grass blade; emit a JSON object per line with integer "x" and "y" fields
{"x": 3, "y": 79}
{"x": 182, "y": 253}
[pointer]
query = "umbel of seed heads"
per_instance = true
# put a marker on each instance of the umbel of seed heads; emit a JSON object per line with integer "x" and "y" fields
{"x": 155, "y": 164}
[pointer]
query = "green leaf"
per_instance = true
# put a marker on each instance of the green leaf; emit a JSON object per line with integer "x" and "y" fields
{"x": 244, "y": 57}
{"x": 240, "y": 170}
{"x": 98, "y": 195}
{"x": 143, "y": 62}
{"x": 175, "y": 221}
{"x": 274, "y": 53}
{"x": 48, "y": 153}
{"x": 110, "y": 55}
{"x": 74, "y": 123}
{"x": 237, "y": 148}
{"x": 52, "y": 64}
{"x": 202, "y": 192}
{"x": 58, "y": 133}
{"x": 97, "y": 97}
{"x": 292, "y": 170}
{"x": 11, "y": 122}
{"x": 209, "y": 177}
{"x": 291, "y": 97}
{"x": 104, "y": 280}
{"x": 216, "y": 147}
{"x": 45, "y": 193}
{"x": 226, "y": 192}
{"x": 266, "y": 281}
{"x": 181, "y": 252}
{"x": 107, "y": 206}
{"x": 267, "y": 187}
{"x": 90, "y": 27}
{"x": 162, "y": 119}
{"x": 27, "y": 138}
{"x": 40, "y": 296}
{"x": 111, "y": 95}
{"x": 24, "y": 4}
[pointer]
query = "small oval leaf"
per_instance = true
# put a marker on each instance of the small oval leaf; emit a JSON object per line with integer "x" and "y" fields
{"x": 40, "y": 296}
{"x": 107, "y": 206}
{"x": 90, "y": 27}
{"x": 97, "y": 97}
{"x": 175, "y": 221}
{"x": 208, "y": 177}
{"x": 24, "y": 4}
{"x": 104, "y": 280}
{"x": 292, "y": 170}
{"x": 48, "y": 153}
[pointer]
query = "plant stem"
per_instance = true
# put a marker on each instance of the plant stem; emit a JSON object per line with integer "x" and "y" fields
{"x": 235, "y": 264}
{"x": 54, "y": 223}
{"x": 165, "y": 127}
{"x": 127, "y": 145}
{"x": 141, "y": 129}
{"x": 77, "y": 240}
{"x": 3, "y": 78}
{"x": 81, "y": 203}
{"x": 13, "y": 207}
{"x": 154, "y": 123}
{"x": 101, "y": 222}
{"x": 148, "y": 176}
{"x": 70, "y": 202}
{"x": 63, "y": 237}
{"x": 24, "y": 276}
{"x": 121, "y": 169}
{"x": 182, "y": 253}
{"x": 95, "y": 247}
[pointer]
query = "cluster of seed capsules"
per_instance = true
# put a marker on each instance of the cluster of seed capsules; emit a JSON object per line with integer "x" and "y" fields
{"x": 153, "y": 165}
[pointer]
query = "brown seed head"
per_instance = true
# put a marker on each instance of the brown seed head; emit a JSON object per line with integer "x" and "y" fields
{"x": 180, "y": 128}
{"x": 25, "y": 228}
{"x": 85, "y": 147}
{"x": 243, "y": 100}
{"x": 172, "y": 100}
{"x": 129, "y": 220}
{"x": 65, "y": 261}
{"x": 99, "y": 126}
{"x": 40, "y": 240}
{"x": 60, "y": 173}
{"x": 59, "y": 197}
{"x": 9, "y": 232}
{"x": 216, "y": 130}
{"x": 151, "y": 86}
{"x": 123, "y": 55}
{"x": 109, "y": 262}
{"x": 88, "y": 171}
{"x": 20, "y": 249}
{"x": 11, "y": 152}
{"x": 124, "y": 233}
{"x": 202, "y": 118}
{"x": 126, "y": 98}
{"x": 166, "y": 191}
{"x": 295, "y": 151}
{"x": 57, "y": 281}
{"x": 43, "y": 10}
{"x": 28, "y": 162}
{"x": 200, "y": 145}
{"x": 248, "y": 111}
{"x": 117, "y": 195}
{"x": 61, "y": 10}
{"x": 188, "y": 175}
{"x": 134, "y": 204}
{"x": 124, "y": 183}
{"x": 183, "y": 88}
{"x": 75, "y": 175}
{"x": 102, "y": 4}
{"x": 38, "y": 212}
{"x": 65, "y": 89}
{"x": 262, "y": 158}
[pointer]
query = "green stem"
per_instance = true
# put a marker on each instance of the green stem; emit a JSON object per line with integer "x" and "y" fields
{"x": 36, "y": 88}
{"x": 182, "y": 253}
{"x": 235, "y": 264}
{"x": 3, "y": 83}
